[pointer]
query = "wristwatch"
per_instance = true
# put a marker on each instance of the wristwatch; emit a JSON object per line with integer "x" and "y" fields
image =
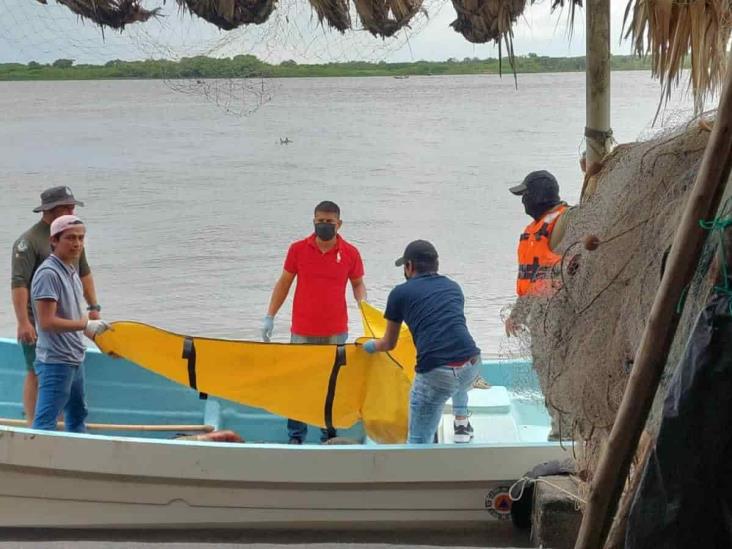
{"x": 96, "y": 307}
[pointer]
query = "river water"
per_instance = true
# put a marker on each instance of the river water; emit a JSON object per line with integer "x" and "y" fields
{"x": 190, "y": 209}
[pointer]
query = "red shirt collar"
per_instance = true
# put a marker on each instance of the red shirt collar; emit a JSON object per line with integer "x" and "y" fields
{"x": 311, "y": 241}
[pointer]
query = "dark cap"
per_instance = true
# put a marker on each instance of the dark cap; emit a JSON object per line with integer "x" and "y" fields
{"x": 56, "y": 196}
{"x": 540, "y": 183}
{"x": 419, "y": 250}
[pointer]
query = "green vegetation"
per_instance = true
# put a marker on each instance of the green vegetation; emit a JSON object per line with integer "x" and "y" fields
{"x": 244, "y": 66}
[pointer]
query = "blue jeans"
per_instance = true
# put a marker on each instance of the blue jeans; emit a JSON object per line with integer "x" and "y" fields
{"x": 60, "y": 387}
{"x": 298, "y": 429}
{"x": 430, "y": 392}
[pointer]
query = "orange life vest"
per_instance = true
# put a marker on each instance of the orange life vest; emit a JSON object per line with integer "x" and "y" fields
{"x": 536, "y": 273}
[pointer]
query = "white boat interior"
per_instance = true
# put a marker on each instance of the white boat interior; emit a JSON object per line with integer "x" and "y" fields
{"x": 147, "y": 479}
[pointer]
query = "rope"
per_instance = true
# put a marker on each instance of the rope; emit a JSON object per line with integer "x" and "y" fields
{"x": 525, "y": 480}
{"x": 719, "y": 225}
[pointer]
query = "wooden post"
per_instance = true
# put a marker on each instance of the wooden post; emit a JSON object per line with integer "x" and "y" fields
{"x": 597, "y": 127}
{"x": 616, "y": 537}
{"x": 703, "y": 203}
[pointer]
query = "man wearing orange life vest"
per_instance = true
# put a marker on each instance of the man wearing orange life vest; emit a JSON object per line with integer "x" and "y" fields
{"x": 537, "y": 272}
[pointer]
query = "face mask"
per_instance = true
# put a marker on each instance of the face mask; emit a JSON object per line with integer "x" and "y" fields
{"x": 536, "y": 208}
{"x": 325, "y": 231}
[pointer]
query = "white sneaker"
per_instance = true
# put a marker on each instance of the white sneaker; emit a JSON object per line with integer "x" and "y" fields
{"x": 463, "y": 431}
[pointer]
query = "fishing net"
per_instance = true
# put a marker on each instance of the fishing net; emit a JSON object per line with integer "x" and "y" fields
{"x": 41, "y": 33}
{"x": 690, "y": 460}
{"x": 584, "y": 337}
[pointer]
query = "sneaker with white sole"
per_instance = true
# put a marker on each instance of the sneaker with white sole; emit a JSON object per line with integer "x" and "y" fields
{"x": 463, "y": 432}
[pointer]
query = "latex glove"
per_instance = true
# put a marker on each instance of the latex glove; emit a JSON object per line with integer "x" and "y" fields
{"x": 370, "y": 346}
{"x": 96, "y": 327}
{"x": 267, "y": 327}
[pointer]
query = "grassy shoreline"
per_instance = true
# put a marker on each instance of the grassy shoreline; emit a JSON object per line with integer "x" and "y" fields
{"x": 248, "y": 66}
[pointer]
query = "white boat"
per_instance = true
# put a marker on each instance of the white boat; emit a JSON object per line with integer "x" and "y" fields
{"x": 57, "y": 479}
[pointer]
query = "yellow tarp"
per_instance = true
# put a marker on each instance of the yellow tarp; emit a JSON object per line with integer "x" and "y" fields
{"x": 301, "y": 382}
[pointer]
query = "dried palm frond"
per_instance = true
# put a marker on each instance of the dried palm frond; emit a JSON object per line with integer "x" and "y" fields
{"x": 481, "y": 21}
{"x": 573, "y": 5}
{"x": 335, "y": 12}
{"x": 114, "y": 14}
{"x": 230, "y": 14}
{"x": 376, "y": 17}
{"x": 669, "y": 30}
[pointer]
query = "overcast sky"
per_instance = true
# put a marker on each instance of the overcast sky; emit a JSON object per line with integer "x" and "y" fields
{"x": 32, "y": 31}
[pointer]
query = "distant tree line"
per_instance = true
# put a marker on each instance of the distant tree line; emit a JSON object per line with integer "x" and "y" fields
{"x": 248, "y": 66}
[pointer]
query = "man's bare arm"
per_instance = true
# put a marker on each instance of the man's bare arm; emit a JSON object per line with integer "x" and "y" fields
{"x": 26, "y": 330}
{"x": 391, "y": 336}
{"x": 48, "y": 321}
{"x": 279, "y": 293}
{"x": 90, "y": 294}
{"x": 359, "y": 289}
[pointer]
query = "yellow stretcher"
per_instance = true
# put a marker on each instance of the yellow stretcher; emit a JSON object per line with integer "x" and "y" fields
{"x": 330, "y": 386}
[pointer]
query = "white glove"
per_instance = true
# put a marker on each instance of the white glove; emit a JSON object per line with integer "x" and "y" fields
{"x": 95, "y": 327}
{"x": 267, "y": 328}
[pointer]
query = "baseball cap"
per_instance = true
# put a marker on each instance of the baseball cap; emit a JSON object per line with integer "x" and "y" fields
{"x": 60, "y": 224}
{"x": 539, "y": 183}
{"x": 56, "y": 196}
{"x": 416, "y": 251}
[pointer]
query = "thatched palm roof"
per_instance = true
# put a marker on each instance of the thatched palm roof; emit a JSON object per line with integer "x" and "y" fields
{"x": 230, "y": 14}
{"x": 114, "y": 14}
{"x": 667, "y": 30}
{"x": 478, "y": 20}
{"x": 671, "y": 30}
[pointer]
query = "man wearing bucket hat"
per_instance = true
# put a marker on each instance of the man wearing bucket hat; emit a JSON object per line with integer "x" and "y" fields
{"x": 29, "y": 251}
{"x": 56, "y": 294}
{"x": 432, "y": 306}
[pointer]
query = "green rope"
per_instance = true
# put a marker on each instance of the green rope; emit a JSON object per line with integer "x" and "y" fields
{"x": 719, "y": 225}
{"x": 716, "y": 224}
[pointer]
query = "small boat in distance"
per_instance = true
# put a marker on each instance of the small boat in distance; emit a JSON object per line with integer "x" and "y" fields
{"x": 401, "y": 76}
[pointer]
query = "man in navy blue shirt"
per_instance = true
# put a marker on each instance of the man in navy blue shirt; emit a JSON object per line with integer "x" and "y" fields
{"x": 432, "y": 305}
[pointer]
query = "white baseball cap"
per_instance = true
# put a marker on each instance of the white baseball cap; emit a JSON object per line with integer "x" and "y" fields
{"x": 60, "y": 224}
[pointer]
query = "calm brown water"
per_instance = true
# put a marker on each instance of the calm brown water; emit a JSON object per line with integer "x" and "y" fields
{"x": 190, "y": 210}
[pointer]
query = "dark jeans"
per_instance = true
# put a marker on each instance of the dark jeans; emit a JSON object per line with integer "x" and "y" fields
{"x": 298, "y": 429}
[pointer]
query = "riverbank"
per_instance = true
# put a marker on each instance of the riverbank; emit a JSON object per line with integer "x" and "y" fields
{"x": 249, "y": 66}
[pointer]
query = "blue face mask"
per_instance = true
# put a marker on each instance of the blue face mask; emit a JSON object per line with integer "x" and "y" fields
{"x": 325, "y": 231}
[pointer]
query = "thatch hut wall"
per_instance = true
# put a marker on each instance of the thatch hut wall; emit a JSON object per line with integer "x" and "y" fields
{"x": 585, "y": 337}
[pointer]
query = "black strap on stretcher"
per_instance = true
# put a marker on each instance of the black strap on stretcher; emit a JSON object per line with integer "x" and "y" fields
{"x": 338, "y": 362}
{"x": 189, "y": 352}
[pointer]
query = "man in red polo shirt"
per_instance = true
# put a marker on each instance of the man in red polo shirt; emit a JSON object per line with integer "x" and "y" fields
{"x": 323, "y": 263}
